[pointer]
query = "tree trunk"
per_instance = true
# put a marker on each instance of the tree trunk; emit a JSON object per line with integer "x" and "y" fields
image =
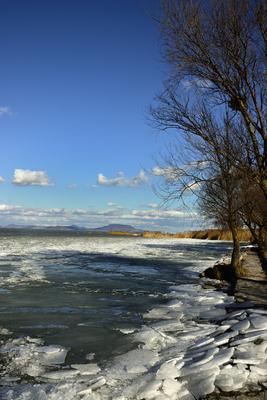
{"x": 235, "y": 260}
{"x": 262, "y": 245}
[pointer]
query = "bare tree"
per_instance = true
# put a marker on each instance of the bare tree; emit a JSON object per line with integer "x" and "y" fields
{"x": 216, "y": 51}
{"x": 214, "y": 176}
{"x": 221, "y": 46}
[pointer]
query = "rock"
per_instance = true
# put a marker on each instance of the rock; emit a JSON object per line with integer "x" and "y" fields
{"x": 221, "y": 272}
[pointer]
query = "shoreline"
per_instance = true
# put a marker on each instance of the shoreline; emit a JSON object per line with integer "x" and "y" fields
{"x": 196, "y": 343}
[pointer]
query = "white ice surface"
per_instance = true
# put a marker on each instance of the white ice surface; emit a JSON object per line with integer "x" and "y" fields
{"x": 187, "y": 347}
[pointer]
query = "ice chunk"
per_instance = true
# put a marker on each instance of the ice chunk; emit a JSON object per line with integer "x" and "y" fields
{"x": 171, "y": 325}
{"x": 249, "y": 337}
{"x": 52, "y": 355}
{"x": 61, "y": 374}
{"x": 238, "y": 314}
{"x": 242, "y": 325}
{"x": 153, "y": 338}
{"x": 150, "y": 391}
{"x": 231, "y": 378}
{"x": 260, "y": 369}
{"x": 170, "y": 369}
{"x": 215, "y": 314}
{"x": 162, "y": 313}
{"x": 224, "y": 337}
{"x": 203, "y": 342}
{"x": 97, "y": 383}
{"x": 134, "y": 362}
{"x": 259, "y": 322}
{"x": 256, "y": 311}
{"x": 86, "y": 369}
{"x": 4, "y": 331}
{"x": 230, "y": 322}
{"x": 219, "y": 359}
{"x": 203, "y": 358}
{"x": 202, "y": 387}
{"x": 171, "y": 387}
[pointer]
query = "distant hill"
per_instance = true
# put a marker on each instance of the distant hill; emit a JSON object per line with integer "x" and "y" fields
{"x": 117, "y": 228}
{"x": 75, "y": 228}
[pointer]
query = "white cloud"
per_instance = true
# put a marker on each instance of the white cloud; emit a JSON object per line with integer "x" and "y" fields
{"x": 72, "y": 186}
{"x": 193, "y": 186}
{"x": 196, "y": 83}
{"x": 113, "y": 205}
{"x": 7, "y": 207}
{"x": 169, "y": 173}
{"x": 152, "y": 205}
{"x": 121, "y": 180}
{"x": 5, "y": 111}
{"x": 170, "y": 220}
{"x": 2, "y": 179}
{"x": 162, "y": 214}
{"x": 26, "y": 177}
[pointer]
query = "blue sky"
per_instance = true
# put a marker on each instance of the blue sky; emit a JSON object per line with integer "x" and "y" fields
{"x": 77, "y": 79}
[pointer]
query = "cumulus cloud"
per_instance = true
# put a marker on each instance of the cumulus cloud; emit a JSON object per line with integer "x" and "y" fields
{"x": 26, "y": 177}
{"x": 121, "y": 180}
{"x": 5, "y": 111}
{"x": 2, "y": 179}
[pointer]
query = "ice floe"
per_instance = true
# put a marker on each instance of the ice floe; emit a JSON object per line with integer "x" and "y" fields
{"x": 181, "y": 355}
{"x": 198, "y": 341}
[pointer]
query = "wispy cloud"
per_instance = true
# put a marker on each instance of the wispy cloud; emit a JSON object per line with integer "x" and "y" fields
{"x": 121, "y": 180}
{"x": 5, "y": 111}
{"x": 113, "y": 205}
{"x": 72, "y": 185}
{"x": 2, "y": 179}
{"x": 153, "y": 205}
{"x": 196, "y": 84}
{"x": 26, "y": 177}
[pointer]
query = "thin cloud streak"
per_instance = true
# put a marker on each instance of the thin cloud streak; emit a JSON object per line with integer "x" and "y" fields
{"x": 4, "y": 110}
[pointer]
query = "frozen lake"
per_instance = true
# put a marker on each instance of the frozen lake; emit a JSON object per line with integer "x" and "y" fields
{"x": 83, "y": 294}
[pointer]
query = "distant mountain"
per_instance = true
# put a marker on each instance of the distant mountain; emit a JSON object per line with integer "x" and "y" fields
{"x": 117, "y": 228}
{"x": 75, "y": 228}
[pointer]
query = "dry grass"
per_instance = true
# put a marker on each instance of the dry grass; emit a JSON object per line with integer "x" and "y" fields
{"x": 210, "y": 234}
